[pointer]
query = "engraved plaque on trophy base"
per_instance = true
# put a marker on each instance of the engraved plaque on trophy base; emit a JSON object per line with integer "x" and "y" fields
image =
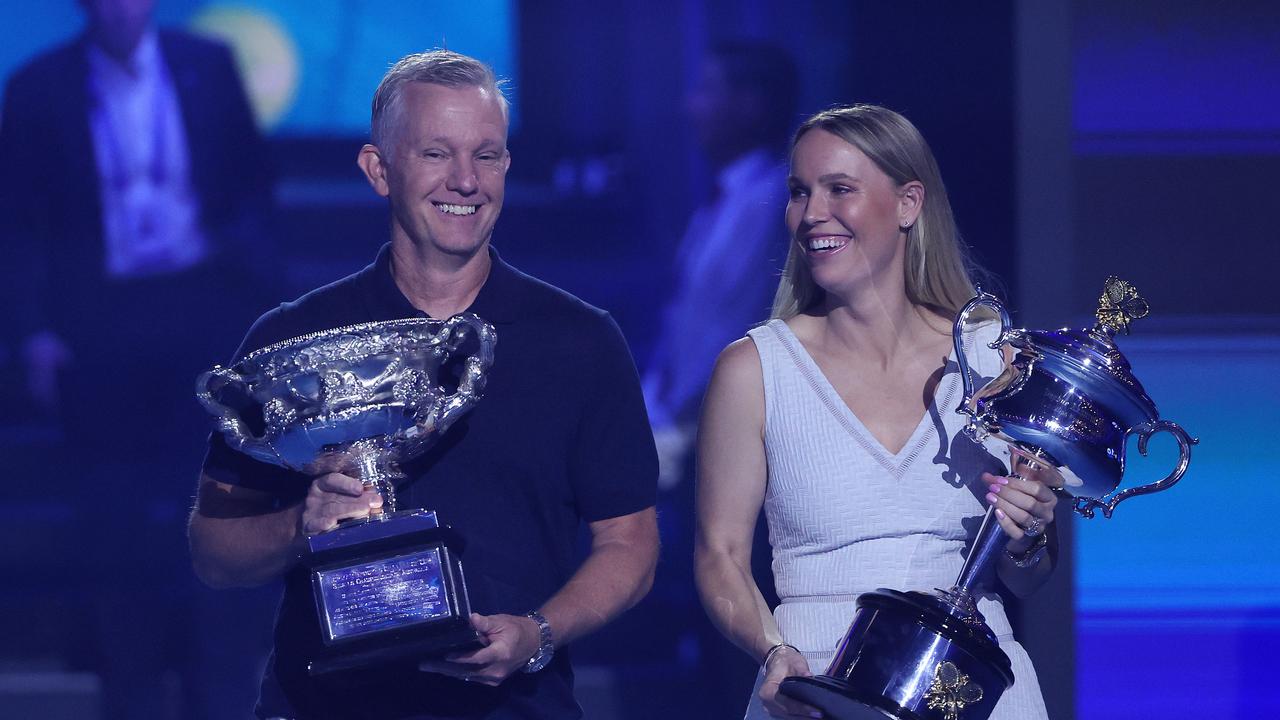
{"x": 389, "y": 590}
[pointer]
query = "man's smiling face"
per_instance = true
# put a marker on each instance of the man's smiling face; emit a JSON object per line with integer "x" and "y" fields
{"x": 445, "y": 170}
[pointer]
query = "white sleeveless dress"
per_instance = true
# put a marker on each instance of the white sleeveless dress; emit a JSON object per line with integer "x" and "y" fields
{"x": 846, "y": 516}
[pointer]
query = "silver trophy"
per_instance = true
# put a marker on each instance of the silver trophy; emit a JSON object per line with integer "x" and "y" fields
{"x": 1066, "y": 404}
{"x": 361, "y": 400}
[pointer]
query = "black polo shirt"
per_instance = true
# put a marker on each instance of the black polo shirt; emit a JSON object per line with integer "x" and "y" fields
{"x": 560, "y": 436}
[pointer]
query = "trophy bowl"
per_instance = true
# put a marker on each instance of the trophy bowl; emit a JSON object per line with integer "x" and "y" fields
{"x": 1068, "y": 401}
{"x": 360, "y": 400}
{"x": 1065, "y": 403}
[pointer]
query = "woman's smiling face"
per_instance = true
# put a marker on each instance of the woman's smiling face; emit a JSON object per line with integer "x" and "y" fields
{"x": 845, "y": 213}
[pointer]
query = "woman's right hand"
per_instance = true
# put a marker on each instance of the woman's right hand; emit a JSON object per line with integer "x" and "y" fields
{"x": 786, "y": 662}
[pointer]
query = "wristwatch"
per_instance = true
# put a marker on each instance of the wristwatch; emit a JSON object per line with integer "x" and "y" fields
{"x": 1030, "y": 557}
{"x": 545, "y": 648}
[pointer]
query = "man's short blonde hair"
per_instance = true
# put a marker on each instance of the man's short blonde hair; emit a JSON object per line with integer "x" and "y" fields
{"x": 438, "y": 67}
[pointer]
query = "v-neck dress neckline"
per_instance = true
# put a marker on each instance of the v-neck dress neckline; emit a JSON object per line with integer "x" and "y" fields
{"x": 895, "y": 463}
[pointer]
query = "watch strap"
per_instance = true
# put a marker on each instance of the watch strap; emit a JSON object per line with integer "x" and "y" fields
{"x": 1032, "y": 555}
{"x": 546, "y": 649}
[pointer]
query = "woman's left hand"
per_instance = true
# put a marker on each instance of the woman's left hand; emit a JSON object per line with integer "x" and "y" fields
{"x": 1024, "y": 505}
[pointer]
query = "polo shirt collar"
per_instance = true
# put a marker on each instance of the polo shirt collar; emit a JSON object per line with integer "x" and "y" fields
{"x": 497, "y": 302}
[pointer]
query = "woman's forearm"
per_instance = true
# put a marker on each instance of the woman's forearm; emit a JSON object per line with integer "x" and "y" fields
{"x": 733, "y": 601}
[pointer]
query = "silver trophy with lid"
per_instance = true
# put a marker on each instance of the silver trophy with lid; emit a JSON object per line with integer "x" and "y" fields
{"x": 1065, "y": 403}
{"x": 361, "y": 400}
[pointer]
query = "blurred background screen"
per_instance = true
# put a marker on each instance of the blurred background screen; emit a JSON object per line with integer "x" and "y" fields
{"x": 310, "y": 66}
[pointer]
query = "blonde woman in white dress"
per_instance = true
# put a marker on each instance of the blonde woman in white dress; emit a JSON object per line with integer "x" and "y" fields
{"x": 837, "y": 418}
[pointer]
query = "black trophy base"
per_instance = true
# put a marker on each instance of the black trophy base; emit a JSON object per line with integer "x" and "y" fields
{"x": 400, "y": 648}
{"x": 902, "y": 653}
{"x": 840, "y": 700}
{"x": 389, "y": 590}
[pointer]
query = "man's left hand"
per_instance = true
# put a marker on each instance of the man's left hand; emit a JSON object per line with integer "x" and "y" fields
{"x": 510, "y": 640}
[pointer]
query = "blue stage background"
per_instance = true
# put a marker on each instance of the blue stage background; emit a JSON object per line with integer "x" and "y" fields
{"x": 1178, "y": 600}
{"x": 1175, "y": 148}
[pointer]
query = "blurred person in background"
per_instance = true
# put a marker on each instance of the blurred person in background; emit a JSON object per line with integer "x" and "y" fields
{"x": 134, "y": 179}
{"x": 135, "y": 202}
{"x": 837, "y": 419}
{"x": 741, "y": 107}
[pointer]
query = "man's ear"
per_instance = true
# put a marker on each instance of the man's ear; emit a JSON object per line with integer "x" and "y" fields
{"x": 373, "y": 165}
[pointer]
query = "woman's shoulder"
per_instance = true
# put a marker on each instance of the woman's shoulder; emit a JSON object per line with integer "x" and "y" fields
{"x": 740, "y": 367}
{"x": 736, "y": 392}
{"x": 739, "y": 357}
{"x": 775, "y": 336}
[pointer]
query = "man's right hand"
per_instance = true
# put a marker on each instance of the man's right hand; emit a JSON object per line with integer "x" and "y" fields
{"x": 333, "y": 498}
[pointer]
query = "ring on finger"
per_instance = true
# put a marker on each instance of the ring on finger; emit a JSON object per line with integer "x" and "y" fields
{"x": 1035, "y": 528}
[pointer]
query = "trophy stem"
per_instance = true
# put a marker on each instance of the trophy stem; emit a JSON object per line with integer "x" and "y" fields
{"x": 370, "y": 461}
{"x": 986, "y": 550}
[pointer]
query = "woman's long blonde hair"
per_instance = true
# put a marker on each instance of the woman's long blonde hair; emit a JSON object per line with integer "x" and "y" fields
{"x": 939, "y": 272}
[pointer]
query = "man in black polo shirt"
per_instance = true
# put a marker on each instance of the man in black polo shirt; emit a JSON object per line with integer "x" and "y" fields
{"x": 560, "y": 437}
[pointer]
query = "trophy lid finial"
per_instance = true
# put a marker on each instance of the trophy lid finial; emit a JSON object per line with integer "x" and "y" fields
{"x": 1119, "y": 305}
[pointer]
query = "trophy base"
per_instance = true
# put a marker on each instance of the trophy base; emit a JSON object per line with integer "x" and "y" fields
{"x": 436, "y": 644}
{"x": 902, "y": 653}
{"x": 840, "y": 700}
{"x": 389, "y": 590}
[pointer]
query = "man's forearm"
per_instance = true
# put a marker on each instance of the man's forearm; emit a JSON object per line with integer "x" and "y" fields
{"x": 244, "y": 551}
{"x": 614, "y": 577}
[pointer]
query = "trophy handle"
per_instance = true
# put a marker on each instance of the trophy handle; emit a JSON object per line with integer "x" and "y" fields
{"x": 1085, "y": 506}
{"x": 228, "y": 420}
{"x": 957, "y": 337}
{"x": 471, "y": 384}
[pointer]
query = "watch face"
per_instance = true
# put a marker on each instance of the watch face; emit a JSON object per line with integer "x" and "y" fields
{"x": 538, "y": 661}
